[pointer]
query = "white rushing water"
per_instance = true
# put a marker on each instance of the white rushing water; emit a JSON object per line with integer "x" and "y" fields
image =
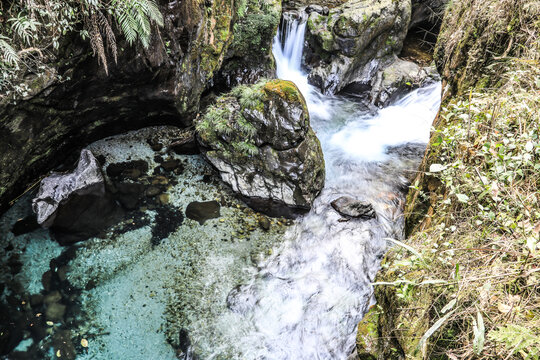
{"x": 305, "y": 300}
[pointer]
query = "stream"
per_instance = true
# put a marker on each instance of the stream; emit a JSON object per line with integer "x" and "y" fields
{"x": 224, "y": 288}
{"x": 305, "y": 300}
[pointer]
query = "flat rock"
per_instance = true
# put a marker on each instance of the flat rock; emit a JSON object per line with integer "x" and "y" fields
{"x": 351, "y": 207}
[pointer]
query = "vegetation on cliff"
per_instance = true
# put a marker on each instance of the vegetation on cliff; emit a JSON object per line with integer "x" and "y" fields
{"x": 31, "y": 32}
{"x": 467, "y": 282}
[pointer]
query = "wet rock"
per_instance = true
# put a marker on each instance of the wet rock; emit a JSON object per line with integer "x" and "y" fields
{"x": 163, "y": 199}
{"x": 260, "y": 140}
{"x": 202, "y": 211}
{"x": 155, "y": 143}
{"x": 159, "y": 180}
{"x": 153, "y": 191}
{"x": 36, "y": 299}
{"x": 85, "y": 216}
{"x": 354, "y": 41}
{"x": 24, "y": 226}
{"x": 316, "y": 8}
{"x": 128, "y": 169}
{"x": 46, "y": 280}
{"x": 52, "y": 298}
{"x": 75, "y": 205}
{"x": 399, "y": 78}
{"x": 350, "y": 207}
{"x": 56, "y": 189}
{"x": 264, "y": 223}
{"x": 129, "y": 194}
{"x": 170, "y": 165}
{"x": 55, "y": 312}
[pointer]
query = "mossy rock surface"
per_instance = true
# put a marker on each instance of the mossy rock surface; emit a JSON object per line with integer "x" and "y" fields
{"x": 260, "y": 140}
{"x": 354, "y": 40}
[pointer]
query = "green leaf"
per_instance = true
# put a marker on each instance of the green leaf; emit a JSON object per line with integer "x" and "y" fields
{"x": 462, "y": 198}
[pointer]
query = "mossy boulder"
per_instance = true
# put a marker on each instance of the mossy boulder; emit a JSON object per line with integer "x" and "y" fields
{"x": 260, "y": 140}
{"x": 354, "y": 40}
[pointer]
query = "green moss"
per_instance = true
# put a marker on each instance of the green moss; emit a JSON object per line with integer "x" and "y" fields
{"x": 283, "y": 88}
{"x": 253, "y": 33}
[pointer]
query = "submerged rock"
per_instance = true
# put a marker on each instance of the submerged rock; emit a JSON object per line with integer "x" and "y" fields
{"x": 354, "y": 40}
{"x": 202, "y": 211}
{"x": 350, "y": 207}
{"x": 129, "y": 169}
{"x": 260, "y": 140}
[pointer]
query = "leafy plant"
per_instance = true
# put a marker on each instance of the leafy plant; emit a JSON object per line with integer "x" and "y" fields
{"x": 518, "y": 340}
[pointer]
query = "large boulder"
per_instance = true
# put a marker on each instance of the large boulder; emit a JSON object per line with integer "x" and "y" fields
{"x": 351, "y": 43}
{"x": 76, "y": 205}
{"x": 260, "y": 140}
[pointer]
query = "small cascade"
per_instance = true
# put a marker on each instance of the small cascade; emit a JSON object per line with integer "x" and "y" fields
{"x": 306, "y": 299}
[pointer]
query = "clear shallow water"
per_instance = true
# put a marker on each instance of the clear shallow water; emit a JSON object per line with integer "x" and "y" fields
{"x": 291, "y": 293}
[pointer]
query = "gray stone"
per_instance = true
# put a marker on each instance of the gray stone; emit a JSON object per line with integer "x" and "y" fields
{"x": 354, "y": 208}
{"x": 399, "y": 78}
{"x": 354, "y": 41}
{"x": 57, "y": 188}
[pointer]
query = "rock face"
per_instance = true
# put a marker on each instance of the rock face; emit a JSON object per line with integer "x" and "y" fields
{"x": 76, "y": 205}
{"x": 398, "y": 78}
{"x": 350, "y": 207}
{"x": 249, "y": 56}
{"x": 160, "y": 85}
{"x": 354, "y": 40}
{"x": 260, "y": 140}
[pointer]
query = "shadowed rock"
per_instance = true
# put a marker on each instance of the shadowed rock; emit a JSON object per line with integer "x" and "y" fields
{"x": 57, "y": 188}
{"x": 350, "y": 207}
{"x": 76, "y": 206}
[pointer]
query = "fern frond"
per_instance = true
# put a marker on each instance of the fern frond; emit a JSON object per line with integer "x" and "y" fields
{"x": 8, "y": 53}
{"x": 109, "y": 34}
{"x": 134, "y": 18}
{"x": 96, "y": 40}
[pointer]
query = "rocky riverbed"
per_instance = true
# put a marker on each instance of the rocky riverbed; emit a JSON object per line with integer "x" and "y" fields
{"x": 125, "y": 293}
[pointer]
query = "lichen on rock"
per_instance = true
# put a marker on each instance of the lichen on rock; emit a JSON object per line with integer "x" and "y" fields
{"x": 260, "y": 140}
